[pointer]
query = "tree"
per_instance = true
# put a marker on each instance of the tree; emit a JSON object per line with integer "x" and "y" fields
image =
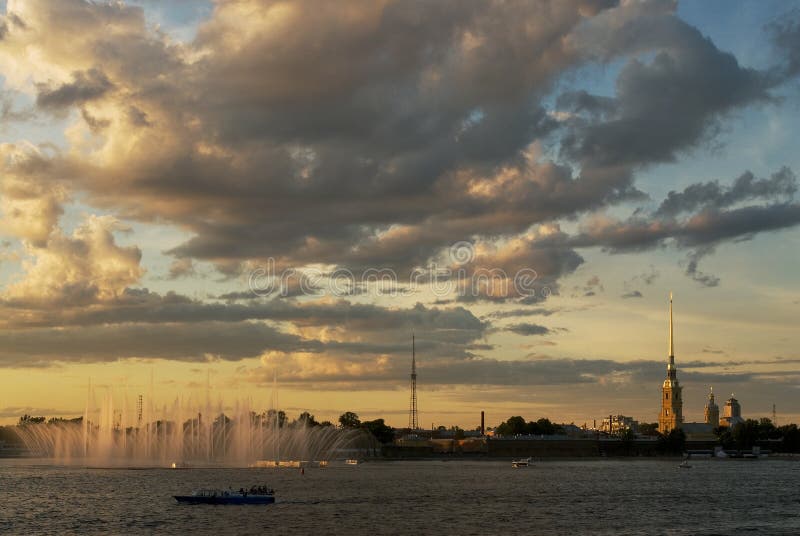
{"x": 745, "y": 434}
{"x": 306, "y": 420}
{"x": 648, "y": 428}
{"x": 379, "y": 429}
{"x": 349, "y": 420}
{"x": 516, "y": 426}
{"x": 27, "y": 419}
{"x": 673, "y": 442}
{"x": 281, "y": 418}
{"x": 542, "y": 427}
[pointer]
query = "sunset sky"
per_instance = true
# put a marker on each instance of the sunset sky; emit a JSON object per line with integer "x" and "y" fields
{"x": 161, "y": 161}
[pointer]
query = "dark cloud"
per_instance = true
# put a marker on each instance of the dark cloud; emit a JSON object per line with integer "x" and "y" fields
{"x": 709, "y": 224}
{"x": 537, "y": 372}
{"x": 200, "y": 341}
{"x": 527, "y": 329}
{"x": 711, "y": 195}
{"x": 632, "y": 294}
{"x": 664, "y": 105}
{"x": 85, "y": 86}
{"x": 785, "y": 31}
{"x": 182, "y": 268}
{"x": 533, "y": 311}
{"x": 692, "y": 260}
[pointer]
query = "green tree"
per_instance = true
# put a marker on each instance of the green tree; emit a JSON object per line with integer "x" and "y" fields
{"x": 349, "y": 420}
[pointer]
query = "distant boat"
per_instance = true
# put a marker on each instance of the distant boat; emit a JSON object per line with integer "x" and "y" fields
{"x": 523, "y": 462}
{"x": 685, "y": 465}
{"x": 180, "y": 465}
{"x": 256, "y": 495}
{"x": 351, "y": 461}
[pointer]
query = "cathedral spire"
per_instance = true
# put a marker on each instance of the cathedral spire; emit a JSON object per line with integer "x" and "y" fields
{"x": 671, "y": 354}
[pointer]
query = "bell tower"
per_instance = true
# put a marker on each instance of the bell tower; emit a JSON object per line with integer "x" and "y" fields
{"x": 712, "y": 410}
{"x": 671, "y": 416}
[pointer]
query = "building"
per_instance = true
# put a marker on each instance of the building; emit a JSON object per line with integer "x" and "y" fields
{"x": 712, "y": 410}
{"x": 704, "y": 431}
{"x": 733, "y": 413}
{"x": 671, "y": 416}
{"x": 614, "y": 424}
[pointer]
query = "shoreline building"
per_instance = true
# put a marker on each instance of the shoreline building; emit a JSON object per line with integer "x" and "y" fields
{"x": 615, "y": 424}
{"x": 671, "y": 416}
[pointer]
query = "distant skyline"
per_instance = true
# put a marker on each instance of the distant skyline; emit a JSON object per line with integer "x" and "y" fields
{"x": 161, "y": 162}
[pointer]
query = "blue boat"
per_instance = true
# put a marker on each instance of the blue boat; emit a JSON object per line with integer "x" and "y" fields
{"x": 255, "y": 495}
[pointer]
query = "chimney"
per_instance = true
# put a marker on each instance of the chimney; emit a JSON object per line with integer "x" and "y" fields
{"x": 483, "y": 428}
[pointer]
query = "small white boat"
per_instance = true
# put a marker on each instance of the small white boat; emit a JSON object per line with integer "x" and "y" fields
{"x": 523, "y": 462}
{"x": 685, "y": 465}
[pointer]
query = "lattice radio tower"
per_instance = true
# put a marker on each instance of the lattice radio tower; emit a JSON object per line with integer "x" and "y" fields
{"x": 413, "y": 422}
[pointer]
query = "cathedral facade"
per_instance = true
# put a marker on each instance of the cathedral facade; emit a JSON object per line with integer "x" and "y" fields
{"x": 671, "y": 416}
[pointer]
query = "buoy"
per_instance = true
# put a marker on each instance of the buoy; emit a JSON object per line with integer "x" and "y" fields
{"x": 302, "y": 470}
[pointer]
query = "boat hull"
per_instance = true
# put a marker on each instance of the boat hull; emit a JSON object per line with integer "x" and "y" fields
{"x": 247, "y": 499}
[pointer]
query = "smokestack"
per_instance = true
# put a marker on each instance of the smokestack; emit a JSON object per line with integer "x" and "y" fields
{"x": 483, "y": 429}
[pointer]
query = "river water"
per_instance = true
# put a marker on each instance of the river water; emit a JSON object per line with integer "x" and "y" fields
{"x": 414, "y": 497}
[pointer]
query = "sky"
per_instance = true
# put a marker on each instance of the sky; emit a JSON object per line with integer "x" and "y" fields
{"x": 199, "y": 198}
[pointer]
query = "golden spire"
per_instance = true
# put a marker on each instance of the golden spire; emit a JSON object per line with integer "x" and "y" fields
{"x": 671, "y": 348}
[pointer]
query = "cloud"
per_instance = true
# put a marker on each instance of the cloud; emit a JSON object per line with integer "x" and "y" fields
{"x": 711, "y": 195}
{"x": 84, "y": 87}
{"x": 632, "y": 294}
{"x": 528, "y": 329}
{"x": 715, "y": 215}
{"x": 181, "y": 268}
{"x": 76, "y": 270}
{"x": 785, "y": 32}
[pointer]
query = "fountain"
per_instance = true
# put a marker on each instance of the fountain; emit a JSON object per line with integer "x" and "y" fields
{"x": 188, "y": 435}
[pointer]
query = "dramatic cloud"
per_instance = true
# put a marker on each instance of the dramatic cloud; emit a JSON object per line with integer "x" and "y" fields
{"x": 357, "y": 136}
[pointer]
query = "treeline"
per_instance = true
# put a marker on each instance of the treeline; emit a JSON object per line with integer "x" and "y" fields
{"x": 518, "y": 426}
{"x": 742, "y": 436}
{"x": 378, "y": 427}
{"x": 271, "y": 418}
{"x": 752, "y": 432}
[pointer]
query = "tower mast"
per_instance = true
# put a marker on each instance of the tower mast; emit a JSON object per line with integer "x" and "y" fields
{"x": 413, "y": 423}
